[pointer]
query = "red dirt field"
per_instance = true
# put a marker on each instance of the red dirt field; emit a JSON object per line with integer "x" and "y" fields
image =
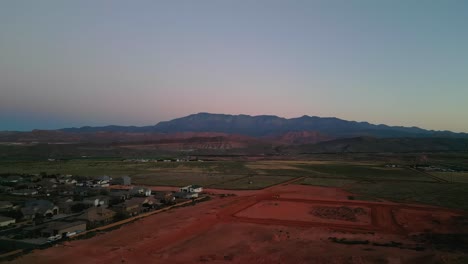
{"x": 300, "y": 211}
{"x": 418, "y": 220}
{"x": 249, "y": 228}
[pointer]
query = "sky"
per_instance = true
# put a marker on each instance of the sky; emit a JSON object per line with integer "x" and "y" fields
{"x": 71, "y": 63}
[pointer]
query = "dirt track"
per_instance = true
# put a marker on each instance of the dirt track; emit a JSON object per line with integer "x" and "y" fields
{"x": 214, "y": 232}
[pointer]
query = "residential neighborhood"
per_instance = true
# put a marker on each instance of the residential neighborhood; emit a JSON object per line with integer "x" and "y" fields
{"x": 36, "y": 210}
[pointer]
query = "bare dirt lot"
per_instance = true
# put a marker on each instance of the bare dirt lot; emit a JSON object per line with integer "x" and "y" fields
{"x": 308, "y": 225}
{"x": 304, "y": 211}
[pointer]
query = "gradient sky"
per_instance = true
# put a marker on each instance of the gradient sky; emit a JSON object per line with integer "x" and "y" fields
{"x": 75, "y": 63}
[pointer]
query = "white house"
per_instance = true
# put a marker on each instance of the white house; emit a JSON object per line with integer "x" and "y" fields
{"x": 140, "y": 191}
{"x": 96, "y": 201}
{"x": 192, "y": 189}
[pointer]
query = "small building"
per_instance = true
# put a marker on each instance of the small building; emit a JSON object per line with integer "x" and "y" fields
{"x": 128, "y": 208}
{"x": 164, "y": 196}
{"x": 186, "y": 195}
{"x": 65, "y": 190}
{"x": 5, "y": 189}
{"x": 96, "y": 201}
{"x": 192, "y": 189}
{"x": 65, "y": 205}
{"x": 5, "y": 221}
{"x": 13, "y": 179}
{"x": 25, "y": 192}
{"x": 97, "y": 215}
{"x": 66, "y": 179}
{"x": 104, "y": 178}
{"x": 46, "y": 186}
{"x": 43, "y": 208}
{"x": 30, "y": 185}
{"x": 63, "y": 228}
{"x": 124, "y": 180}
{"x": 87, "y": 191}
{"x": 140, "y": 191}
{"x": 5, "y": 206}
{"x": 145, "y": 203}
{"x": 117, "y": 196}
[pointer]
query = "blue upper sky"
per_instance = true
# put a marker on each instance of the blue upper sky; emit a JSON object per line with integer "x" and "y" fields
{"x": 73, "y": 63}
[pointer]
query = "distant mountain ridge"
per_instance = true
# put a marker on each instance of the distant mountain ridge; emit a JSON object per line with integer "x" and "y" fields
{"x": 271, "y": 126}
{"x": 215, "y": 134}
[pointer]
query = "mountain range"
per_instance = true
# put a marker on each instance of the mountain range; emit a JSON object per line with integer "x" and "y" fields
{"x": 270, "y": 126}
{"x": 304, "y": 134}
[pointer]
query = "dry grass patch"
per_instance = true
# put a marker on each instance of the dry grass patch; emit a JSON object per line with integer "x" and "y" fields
{"x": 461, "y": 177}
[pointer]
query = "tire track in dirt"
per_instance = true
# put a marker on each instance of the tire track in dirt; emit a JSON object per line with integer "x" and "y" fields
{"x": 309, "y": 224}
{"x": 430, "y": 175}
{"x": 384, "y": 221}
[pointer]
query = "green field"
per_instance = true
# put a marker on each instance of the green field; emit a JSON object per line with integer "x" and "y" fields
{"x": 97, "y": 167}
{"x": 453, "y": 195}
{"x": 440, "y": 194}
{"x": 362, "y": 177}
{"x": 327, "y": 182}
{"x": 364, "y": 172}
{"x": 460, "y": 177}
{"x": 181, "y": 179}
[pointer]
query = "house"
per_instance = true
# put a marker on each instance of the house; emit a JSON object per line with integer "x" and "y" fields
{"x": 30, "y": 185}
{"x": 81, "y": 191}
{"x": 66, "y": 179}
{"x": 65, "y": 205}
{"x": 164, "y": 196}
{"x": 13, "y": 179}
{"x": 5, "y": 206}
{"x": 103, "y": 180}
{"x": 66, "y": 190}
{"x": 87, "y": 191}
{"x": 24, "y": 192}
{"x": 46, "y": 185}
{"x": 43, "y": 208}
{"x": 145, "y": 202}
{"x": 192, "y": 189}
{"x": 63, "y": 228}
{"x": 128, "y": 208}
{"x": 124, "y": 180}
{"x": 96, "y": 201}
{"x": 97, "y": 215}
{"x": 5, "y": 221}
{"x": 186, "y": 195}
{"x": 5, "y": 189}
{"x": 117, "y": 196}
{"x": 140, "y": 191}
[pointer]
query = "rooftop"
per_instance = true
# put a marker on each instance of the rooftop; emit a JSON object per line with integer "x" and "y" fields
{"x": 4, "y": 218}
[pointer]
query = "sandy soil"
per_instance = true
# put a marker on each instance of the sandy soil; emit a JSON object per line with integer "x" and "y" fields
{"x": 240, "y": 229}
{"x": 417, "y": 220}
{"x": 299, "y": 211}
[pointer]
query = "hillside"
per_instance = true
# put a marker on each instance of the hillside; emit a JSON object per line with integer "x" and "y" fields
{"x": 270, "y": 126}
{"x": 369, "y": 144}
{"x": 259, "y": 134}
